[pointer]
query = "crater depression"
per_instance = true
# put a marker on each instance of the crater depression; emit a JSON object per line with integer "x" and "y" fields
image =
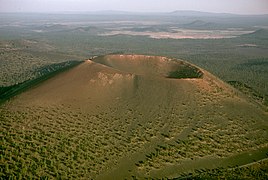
{"x": 154, "y": 66}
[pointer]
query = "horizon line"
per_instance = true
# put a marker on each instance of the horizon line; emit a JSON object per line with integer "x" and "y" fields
{"x": 130, "y": 12}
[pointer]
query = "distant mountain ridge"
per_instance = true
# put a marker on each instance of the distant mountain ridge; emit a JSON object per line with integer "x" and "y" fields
{"x": 199, "y": 13}
{"x": 178, "y": 12}
{"x": 200, "y": 24}
{"x": 174, "y": 13}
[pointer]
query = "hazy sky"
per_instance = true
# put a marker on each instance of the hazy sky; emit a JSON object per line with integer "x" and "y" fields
{"x": 227, "y": 6}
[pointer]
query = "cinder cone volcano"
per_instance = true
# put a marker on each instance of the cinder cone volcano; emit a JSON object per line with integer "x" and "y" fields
{"x": 123, "y": 116}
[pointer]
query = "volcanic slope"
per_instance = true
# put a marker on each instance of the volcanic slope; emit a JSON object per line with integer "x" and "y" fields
{"x": 123, "y": 116}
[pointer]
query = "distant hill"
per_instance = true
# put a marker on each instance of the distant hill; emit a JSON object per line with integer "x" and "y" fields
{"x": 52, "y": 27}
{"x": 198, "y": 13}
{"x": 199, "y": 24}
{"x": 259, "y": 34}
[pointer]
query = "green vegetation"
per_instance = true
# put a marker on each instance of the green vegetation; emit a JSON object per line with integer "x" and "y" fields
{"x": 258, "y": 170}
{"x": 66, "y": 142}
{"x": 250, "y": 92}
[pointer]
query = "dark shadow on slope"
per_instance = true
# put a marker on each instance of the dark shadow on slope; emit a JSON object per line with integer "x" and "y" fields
{"x": 45, "y": 73}
{"x": 186, "y": 71}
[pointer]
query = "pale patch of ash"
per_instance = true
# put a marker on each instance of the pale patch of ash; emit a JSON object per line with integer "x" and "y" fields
{"x": 109, "y": 79}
